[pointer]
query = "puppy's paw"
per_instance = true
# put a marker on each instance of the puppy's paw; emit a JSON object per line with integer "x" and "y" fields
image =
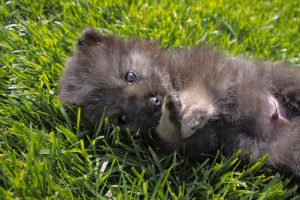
{"x": 193, "y": 122}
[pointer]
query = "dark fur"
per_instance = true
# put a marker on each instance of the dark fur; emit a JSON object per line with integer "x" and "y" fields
{"x": 240, "y": 91}
{"x": 94, "y": 79}
{"x": 208, "y": 101}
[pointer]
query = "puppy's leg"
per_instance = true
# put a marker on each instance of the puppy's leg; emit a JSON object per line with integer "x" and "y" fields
{"x": 277, "y": 116}
{"x": 169, "y": 124}
{"x": 285, "y": 149}
{"x": 287, "y": 85}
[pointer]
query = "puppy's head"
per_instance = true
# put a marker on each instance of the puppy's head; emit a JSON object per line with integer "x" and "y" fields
{"x": 125, "y": 78}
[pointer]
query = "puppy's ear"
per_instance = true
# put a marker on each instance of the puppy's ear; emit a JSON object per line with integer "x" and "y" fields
{"x": 89, "y": 37}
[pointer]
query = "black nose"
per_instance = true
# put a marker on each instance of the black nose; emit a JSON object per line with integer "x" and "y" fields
{"x": 155, "y": 102}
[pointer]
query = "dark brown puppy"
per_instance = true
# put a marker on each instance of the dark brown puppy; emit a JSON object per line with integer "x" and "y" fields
{"x": 124, "y": 77}
{"x": 196, "y": 99}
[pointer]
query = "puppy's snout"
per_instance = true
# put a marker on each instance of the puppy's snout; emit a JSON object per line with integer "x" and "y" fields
{"x": 155, "y": 101}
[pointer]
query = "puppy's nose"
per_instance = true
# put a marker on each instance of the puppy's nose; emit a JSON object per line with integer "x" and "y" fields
{"x": 155, "y": 102}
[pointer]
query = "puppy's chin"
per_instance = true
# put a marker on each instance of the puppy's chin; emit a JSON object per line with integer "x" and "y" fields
{"x": 168, "y": 128}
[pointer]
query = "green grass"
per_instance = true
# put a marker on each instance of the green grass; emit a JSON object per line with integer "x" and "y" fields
{"x": 42, "y": 150}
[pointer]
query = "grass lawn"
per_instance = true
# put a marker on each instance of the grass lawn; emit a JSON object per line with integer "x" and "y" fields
{"x": 42, "y": 150}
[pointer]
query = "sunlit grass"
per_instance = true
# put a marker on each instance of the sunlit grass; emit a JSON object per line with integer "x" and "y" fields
{"x": 43, "y": 151}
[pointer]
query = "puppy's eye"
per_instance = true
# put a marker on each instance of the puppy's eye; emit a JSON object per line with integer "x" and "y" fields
{"x": 130, "y": 77}
{"x": 122, "y": 120}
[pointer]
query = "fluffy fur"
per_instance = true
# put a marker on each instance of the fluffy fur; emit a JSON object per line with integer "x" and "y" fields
{"x": 199, "y": 100}
{"x": 237, "y": 104}
{"x": 94, "y": 79}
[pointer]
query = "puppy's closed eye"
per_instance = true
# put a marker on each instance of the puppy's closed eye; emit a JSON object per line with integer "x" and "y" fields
{"x": 122, "y": 120}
